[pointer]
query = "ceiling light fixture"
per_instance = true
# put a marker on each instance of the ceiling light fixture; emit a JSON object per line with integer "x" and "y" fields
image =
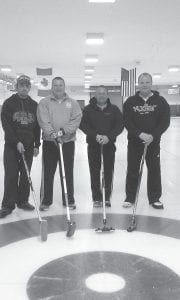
{"x": 6, "y": 69}
{"x": 89, "y": 69}
{"x": 157, "y": 75}
{"x": 94, "y": 38}
{"x": 37, "y": 84}
{"x": 174, "y": 68}
{"x": 88, "y": 76}
{"x": 91, "y": 59}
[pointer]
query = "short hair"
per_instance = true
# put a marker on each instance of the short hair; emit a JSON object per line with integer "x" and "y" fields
{"x": 144, "y": 74}
{"x": 58, "y": 78}
{"x": 102, "y": 86}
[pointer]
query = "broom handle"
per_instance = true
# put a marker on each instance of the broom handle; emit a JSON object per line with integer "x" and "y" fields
{"x": 103, "y": 185}
{"x": 64, "y": 181}
{"x": 140, "y": 177}
{"x": 31, "y": 185}
{"x": 42, "y": 180}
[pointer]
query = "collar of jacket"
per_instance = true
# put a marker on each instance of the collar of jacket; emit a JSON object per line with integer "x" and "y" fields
{"x": 19, "y": 98}
{"x": 155, "y": 93}
{"x": 62, "y": 100}
{"x": 93, "y": 102}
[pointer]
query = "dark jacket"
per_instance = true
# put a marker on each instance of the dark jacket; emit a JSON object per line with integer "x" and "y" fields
{"x": 108, "y": 121}
{"x": 19, "y": 121}
{"x": 152, "y": 116}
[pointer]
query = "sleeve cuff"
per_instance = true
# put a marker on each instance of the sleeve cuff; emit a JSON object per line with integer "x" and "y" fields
{"x": 37, "y": 146}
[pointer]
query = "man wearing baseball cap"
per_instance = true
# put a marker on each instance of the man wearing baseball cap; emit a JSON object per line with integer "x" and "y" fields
{"x": 22, "y": 135}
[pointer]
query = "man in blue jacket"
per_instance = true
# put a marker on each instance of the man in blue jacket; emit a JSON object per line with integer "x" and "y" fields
{"x": 22, "y": 135}
{"x": 102, "y": 122}
{"x": 146, "y": 118}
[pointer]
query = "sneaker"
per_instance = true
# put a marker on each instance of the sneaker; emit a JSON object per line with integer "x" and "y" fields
{"x": 157, "y": 204}
{"x": 4, "y": 212}
{"x": 26, "y": 206}
{"x": 72, "y": 206}
{"x": 127, "y": 203}
{"x": 108, "y": 203}
{"x": 97, "y": 204}
{"x": 44, "y": 207}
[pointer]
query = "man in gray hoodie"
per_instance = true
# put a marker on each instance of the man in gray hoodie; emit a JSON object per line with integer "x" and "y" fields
{"x": 59, "y": 117}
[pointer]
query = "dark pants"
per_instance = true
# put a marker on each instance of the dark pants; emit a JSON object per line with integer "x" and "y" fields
{"x": 50, "y": 158}
{"x": 16, "y": 185}
{"x": 94, "y": 157}
{"x": 135, "y": 151}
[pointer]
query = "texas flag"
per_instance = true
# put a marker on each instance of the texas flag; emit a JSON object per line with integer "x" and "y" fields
{"x": 44, "y": 79}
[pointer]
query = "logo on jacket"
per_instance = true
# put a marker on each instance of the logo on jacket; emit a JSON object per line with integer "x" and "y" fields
{"x": 144, "y": 109}
{"x": 68, "y": 105}
{"x": 107, "y": 113}
{"x": 23, "y": 117}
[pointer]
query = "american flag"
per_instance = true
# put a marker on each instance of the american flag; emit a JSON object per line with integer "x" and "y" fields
{"x": 128, "y": 82}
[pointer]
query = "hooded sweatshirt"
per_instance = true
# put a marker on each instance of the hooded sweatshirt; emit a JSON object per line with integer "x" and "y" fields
{"x": 19, "y": 121}
{"x": 151, "y": 116}
{"x": 54, "y": 115}
{"x": 108, "y": 121}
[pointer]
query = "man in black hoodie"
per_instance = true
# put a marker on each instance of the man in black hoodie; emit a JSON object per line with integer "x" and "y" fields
{"x": 102, "y": 122}
{"x": 22, "y": 135}
{"x": 146, "y": 118}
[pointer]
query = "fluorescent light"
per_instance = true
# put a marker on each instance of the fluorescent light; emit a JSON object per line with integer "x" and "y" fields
{"x": 102, "y": 1}
{"x": 89, "y": 69}
{"x": 94, "y": 41}
{"x": 173, "y": 68}
{"x": 37, "y": 84}
{"x": 94, "y": 38}
{"x": 175, "y": 86}
{"x": 87, "y": 81}
{"x": 91, "y": 59}
{"x": 6, "y": 69}
{"x": 157, "y": 75}
{"x": 88, "y": 76}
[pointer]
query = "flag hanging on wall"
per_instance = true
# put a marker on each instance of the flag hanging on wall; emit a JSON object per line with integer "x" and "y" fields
{"x": 128, "y": 82}
{"x": 124, "y": 82}
{"x": 44, "y": 78}
{"x": 132, "y": 82}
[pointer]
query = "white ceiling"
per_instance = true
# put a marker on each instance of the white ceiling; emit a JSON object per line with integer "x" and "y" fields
{"x": 51, "y": 33}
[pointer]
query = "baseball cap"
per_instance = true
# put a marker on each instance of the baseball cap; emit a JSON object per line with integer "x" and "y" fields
{"x": 24, "y": 79}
